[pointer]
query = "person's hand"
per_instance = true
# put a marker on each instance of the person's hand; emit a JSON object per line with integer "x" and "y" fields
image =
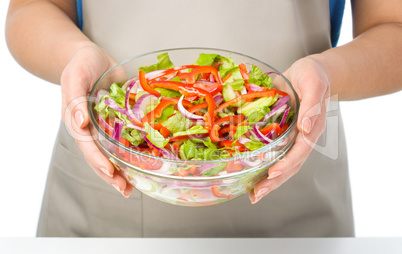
{"x": 77, "y": 79}
{"x": 310, "y": 81}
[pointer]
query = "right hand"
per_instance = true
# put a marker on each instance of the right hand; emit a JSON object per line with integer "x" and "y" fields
{"x": 77, "y": 79}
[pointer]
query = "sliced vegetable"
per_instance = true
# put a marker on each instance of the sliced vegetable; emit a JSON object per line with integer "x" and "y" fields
{"x": 186, "y": 113}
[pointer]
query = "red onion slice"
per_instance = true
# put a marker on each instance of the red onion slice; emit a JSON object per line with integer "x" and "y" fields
{"x": 111, "y": 103}
{"x": 243, "y": 140}
{"x": 185, "y": 113}
{"x": 141, "y": 105}
{"x": 164, "y": 151}
{"x": 212, "y": 78}
{"x": 281, "y": 101}
{"x": 285, "y": 115}
{"x": 255, "y": 88}
{"x": 133, "y": 85}
{"x": 118, "y": 127}
{"x": 132, "y": 126}
{"x": 218, "y": 100}
{"x": 106, "y": 124}
{"x": 128, "y": 82}
{"x": 259, "y": 136}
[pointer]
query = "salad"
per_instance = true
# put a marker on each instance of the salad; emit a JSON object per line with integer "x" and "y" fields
{"x": 209, "y": 110}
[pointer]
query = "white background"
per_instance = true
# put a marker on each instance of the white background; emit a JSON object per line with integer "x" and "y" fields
{"x": 31, "y": 115}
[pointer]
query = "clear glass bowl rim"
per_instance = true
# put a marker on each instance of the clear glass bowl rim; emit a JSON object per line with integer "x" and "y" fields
{"x": 200, "y": 162}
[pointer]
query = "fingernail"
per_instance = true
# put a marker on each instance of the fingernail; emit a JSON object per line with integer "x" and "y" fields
{"x": 306, "y": 125}
{"x": 79, "y": 118}
{"x": 106, "y": 172}
{"x": 274, "y": 174}
{"x": 261, "y": 193}
{"x": 117, "y": 188}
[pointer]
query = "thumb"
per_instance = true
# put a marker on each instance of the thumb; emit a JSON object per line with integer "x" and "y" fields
{"x": 75, "y": 86}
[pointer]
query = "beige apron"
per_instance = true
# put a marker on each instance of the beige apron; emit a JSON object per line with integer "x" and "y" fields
{"x": 314, "y": 203}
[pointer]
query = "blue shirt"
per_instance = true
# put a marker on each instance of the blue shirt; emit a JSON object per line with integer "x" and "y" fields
{"x": 336, "y": 8}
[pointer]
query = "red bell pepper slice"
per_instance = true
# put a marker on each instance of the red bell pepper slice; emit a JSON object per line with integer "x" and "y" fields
{"x": 213, "y": 88}
{"x": 192, "y": 76}
{"x": 170, "y": 71}
{"x": 214, "y": 133}
{"x": 198, "y": 107}
{"x": 243, "y": 71}
{"x": 230, "y": 119}
{"x": 187, "y": 90}
{"x": 145, "y": 86}
{"x": 157, "y": 112}
{"x": 226, "y": 77}
{"x": 272, "y": 127}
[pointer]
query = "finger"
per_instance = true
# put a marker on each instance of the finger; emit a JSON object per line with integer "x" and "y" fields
{"x": 92, "y": 154}
{"x": 75, "y": 87}
{"x": 117, "y": 181}
{"x": 266, "y": 186}
{"x": 293, "y": 160}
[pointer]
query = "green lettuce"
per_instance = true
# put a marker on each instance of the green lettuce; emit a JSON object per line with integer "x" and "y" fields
{"x": 198, "y": 129}
{"x": 215, "y": 170}
{"x": 168, "y": 111}
{"x": 253, "y": 144}
{"x": 257, "y": 109}
{"x": 177, "y": 123}
{"x": 118, "y": 94}
{"x": 167, "y": 92}
{"x": 240, "y": 131}
{"x": 210, "y": 59}
{"x": 133, "y": 136}
{"x": 105, "y": 111}
{"x": 164, "y": 63}
{"x": 207, "y": 142}
{"x": 155, "y": 137}
{"x": 235, "y": 74}
{"x": 206, "y": 59}
{"x": 260, "y": 79}
{"x": 188, "y": 150}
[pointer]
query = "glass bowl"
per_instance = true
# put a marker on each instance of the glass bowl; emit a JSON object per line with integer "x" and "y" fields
{"x": 147, "y": 173}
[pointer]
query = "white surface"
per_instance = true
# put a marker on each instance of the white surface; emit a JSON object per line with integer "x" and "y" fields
{"x": 201, "y": 246}
{"x": 31, "y": 113}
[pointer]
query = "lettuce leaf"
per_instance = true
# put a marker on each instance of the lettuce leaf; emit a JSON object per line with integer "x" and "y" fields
{"x": 207, "y": 142}
{"x": 188, "y": 150}
{"x": 133, "y": 136}
{"x": 257, "y": 109}
{"x": 168, "y": 93}
{"x": 240, "y": 131}
{"x": 168, "y": 111}
{"x": 210, "y": 59}
{"x": 198, "y": 129}
{"x": 215, "y": 170}
{"x": 155, "y": 137}
{"x": 164, "y": 63}
{"x": 258, "y": 78}
{"x": 105, "y": 111}
{"x": 118, "y": 94}
{"x": 254, "y": 144}
{"x": 177, "y": 123}
{"x": 206, "y": 59}
{"x": 235, "y": 74}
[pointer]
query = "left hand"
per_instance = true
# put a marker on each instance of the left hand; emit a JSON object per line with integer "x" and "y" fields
{"x": 310, "y": 81}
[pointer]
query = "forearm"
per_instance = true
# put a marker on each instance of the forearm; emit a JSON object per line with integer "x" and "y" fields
{"x": 42, "y": 38}
{"x": 368, "y": 66}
